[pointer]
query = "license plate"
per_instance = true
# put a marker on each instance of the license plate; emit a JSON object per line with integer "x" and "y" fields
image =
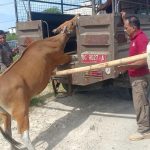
{"x": 93, "y": 58}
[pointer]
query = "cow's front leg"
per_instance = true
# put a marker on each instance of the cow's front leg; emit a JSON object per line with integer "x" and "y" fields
{"x": 23, "y": 128}
{"x": 21, "y": 116}
{"x": 26, "y": 140}
{"x": 65, "y": 59}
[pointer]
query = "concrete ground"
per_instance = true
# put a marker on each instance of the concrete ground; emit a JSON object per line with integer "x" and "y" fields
{"x": 95, "y": 120}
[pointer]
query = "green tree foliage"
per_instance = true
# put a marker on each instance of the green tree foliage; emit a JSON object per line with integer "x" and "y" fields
{"x": 53, "y": 10}
{"x": 10, "y": 37}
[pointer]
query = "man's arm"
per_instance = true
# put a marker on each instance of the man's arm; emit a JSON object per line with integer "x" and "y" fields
{"x": 123, "y": 15}
{"x": 134, "y": 65}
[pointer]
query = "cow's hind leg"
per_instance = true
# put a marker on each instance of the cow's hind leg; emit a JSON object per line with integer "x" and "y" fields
{"x": 6, "y": 118}
{"x": 22, "y": 118}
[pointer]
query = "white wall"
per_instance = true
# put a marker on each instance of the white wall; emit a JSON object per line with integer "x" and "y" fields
{"x": 12, "y": 30}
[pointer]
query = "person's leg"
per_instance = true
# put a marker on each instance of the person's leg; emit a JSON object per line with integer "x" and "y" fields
{"x": 141, "y": 106}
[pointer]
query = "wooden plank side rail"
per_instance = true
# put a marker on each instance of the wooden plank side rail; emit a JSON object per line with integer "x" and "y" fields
{"x": 112, "y": 63}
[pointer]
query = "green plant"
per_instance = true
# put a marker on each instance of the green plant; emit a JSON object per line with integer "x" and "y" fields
{"x": 16, "y": 57}
{"x": 53, "y": 10}
{"x": 11, "y": 36}
{"x": 36, "y": 101}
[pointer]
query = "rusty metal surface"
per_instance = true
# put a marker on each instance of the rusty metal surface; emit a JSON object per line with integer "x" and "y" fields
{"x": 29, "y": 31}
{"x": 95, "y": 39}
{"x": 94, "y": 45}
{"x": 100, "y": 38}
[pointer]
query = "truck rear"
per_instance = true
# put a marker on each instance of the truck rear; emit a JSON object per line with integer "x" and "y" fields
{"x": 99, "y": 38}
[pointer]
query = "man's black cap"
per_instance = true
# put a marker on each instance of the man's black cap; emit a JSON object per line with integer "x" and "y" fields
{"x": 2, "y": 32}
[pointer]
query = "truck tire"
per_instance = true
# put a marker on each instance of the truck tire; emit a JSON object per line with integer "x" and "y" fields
{"x": 66, "y": 87}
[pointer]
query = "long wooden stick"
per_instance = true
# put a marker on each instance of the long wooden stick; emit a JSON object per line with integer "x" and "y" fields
{"x": 112, "y": 63}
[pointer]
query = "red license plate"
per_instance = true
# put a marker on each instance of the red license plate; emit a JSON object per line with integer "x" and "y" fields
{"x": 93, "y": 58}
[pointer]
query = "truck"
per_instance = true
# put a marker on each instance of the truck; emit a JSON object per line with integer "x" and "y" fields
{"x": 99, "y": 38}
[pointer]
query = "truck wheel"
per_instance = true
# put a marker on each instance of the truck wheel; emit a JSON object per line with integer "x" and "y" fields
{"x": 69, "y": 89}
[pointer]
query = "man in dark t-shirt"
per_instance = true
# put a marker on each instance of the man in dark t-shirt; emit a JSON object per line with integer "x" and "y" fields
{"x": 6, "y": 53}
{"x": 107, "y": 6}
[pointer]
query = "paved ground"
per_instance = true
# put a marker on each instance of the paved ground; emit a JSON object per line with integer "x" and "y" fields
{"x": 95, "y": 120}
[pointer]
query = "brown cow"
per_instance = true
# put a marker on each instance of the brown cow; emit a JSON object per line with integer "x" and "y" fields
{"x": 70, "y": 25}
{"x": 27, "y": 77}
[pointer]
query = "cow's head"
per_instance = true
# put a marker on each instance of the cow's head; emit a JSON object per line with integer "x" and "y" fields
{"x": 67, "y": 27}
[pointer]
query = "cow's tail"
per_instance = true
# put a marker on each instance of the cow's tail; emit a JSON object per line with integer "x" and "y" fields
{"x": 13, "y": 142}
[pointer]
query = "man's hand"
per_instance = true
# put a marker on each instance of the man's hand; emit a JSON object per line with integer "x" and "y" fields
{"x": 121, "y": 69}
{"x": 15, "y": 51}
{"x": 123, "y": 15}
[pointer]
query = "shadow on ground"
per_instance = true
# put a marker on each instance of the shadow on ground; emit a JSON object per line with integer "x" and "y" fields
{"x": 105, "y": 102}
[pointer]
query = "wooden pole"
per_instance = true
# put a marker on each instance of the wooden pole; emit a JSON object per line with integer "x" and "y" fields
{"x": 112, "y": 63}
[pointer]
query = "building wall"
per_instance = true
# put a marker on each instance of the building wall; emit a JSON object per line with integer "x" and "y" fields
{"x": 12, "y": 30}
